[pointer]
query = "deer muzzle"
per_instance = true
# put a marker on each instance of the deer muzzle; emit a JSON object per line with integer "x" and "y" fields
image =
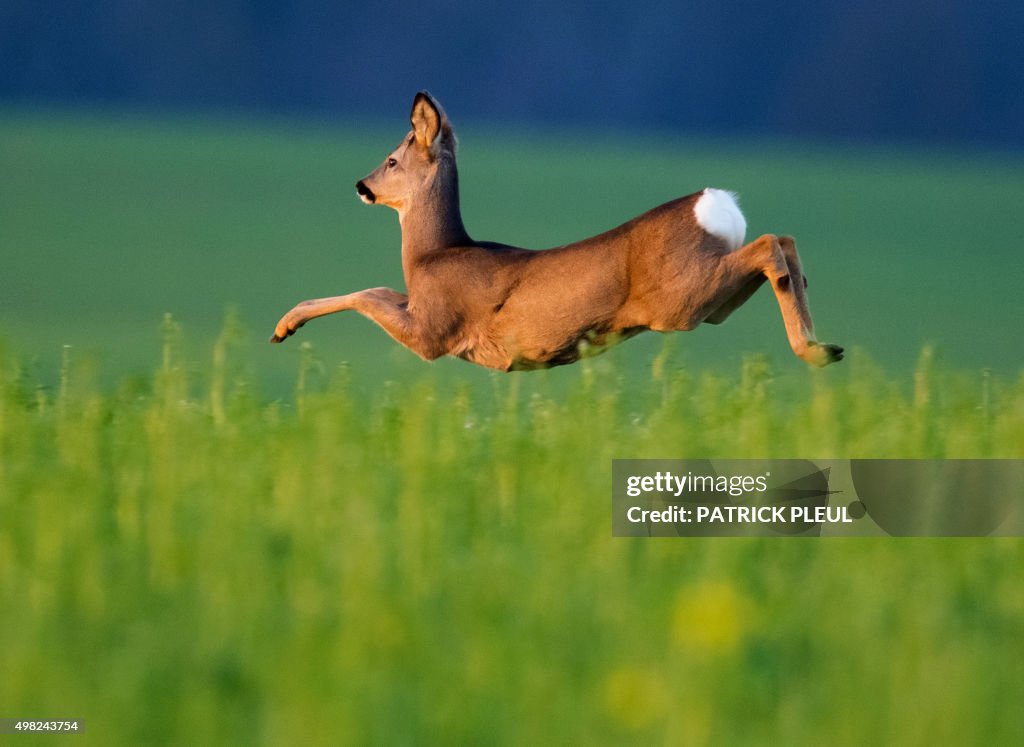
{"x": 365, "y": 193}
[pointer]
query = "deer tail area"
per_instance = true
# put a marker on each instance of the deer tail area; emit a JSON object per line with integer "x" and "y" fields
{"x": 718, "y": 213}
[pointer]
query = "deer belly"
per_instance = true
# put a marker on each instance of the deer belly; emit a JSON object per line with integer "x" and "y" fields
{"x": 585, "y": 345}
{"x": 484, "y": 351}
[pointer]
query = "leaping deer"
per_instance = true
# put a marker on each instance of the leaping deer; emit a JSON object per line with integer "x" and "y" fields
{"x": 512, "y": 309}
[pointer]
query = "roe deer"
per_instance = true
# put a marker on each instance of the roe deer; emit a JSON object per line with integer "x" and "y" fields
{"x": 514, "y": 309}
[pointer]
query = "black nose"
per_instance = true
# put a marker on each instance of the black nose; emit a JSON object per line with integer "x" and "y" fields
{"x": 365, "y": 191}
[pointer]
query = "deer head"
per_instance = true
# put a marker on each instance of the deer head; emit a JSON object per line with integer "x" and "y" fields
{"x": 423, "y": 158}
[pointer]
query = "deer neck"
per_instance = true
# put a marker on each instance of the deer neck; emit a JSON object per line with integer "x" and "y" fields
{"x": 432, "y": 221}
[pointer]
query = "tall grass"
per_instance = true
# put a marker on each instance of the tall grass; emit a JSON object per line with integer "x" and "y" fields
{"x": 421, "y": 561}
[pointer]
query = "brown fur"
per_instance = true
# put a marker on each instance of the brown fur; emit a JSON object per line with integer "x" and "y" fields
{"x": 514, "y": 309}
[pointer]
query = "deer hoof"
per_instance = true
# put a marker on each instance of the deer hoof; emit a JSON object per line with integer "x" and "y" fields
{"x": 284, "y": 329}
{"x": 822, "y": 353}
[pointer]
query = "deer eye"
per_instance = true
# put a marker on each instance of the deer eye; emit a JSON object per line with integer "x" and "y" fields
{"x": 392, "y": 163}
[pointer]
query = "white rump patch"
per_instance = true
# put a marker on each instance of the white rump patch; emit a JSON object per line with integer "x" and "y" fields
{"x": 717, "y": 212}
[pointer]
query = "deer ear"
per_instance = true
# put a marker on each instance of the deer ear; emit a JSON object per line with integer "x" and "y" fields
{"x": 427, "y": 118}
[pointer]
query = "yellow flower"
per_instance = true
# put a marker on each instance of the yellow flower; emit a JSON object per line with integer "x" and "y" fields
{"x": 635, "y": 697}
{"x": 710, "y": 616}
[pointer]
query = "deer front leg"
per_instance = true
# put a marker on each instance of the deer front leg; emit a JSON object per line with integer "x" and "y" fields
{"x": 779, "y": 263}
{"x": 388, "y": 308}
{"x": 303, "y": 312}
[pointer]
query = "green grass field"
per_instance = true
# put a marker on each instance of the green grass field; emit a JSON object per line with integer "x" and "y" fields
{"x": 206, "y": 539}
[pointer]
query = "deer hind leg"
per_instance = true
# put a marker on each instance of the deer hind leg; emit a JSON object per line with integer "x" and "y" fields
{"x": 799, "y": 280}
{"x": 788, "y": 245}
{"x": 736, "y": 300}
{"x": 777, "y": 261}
